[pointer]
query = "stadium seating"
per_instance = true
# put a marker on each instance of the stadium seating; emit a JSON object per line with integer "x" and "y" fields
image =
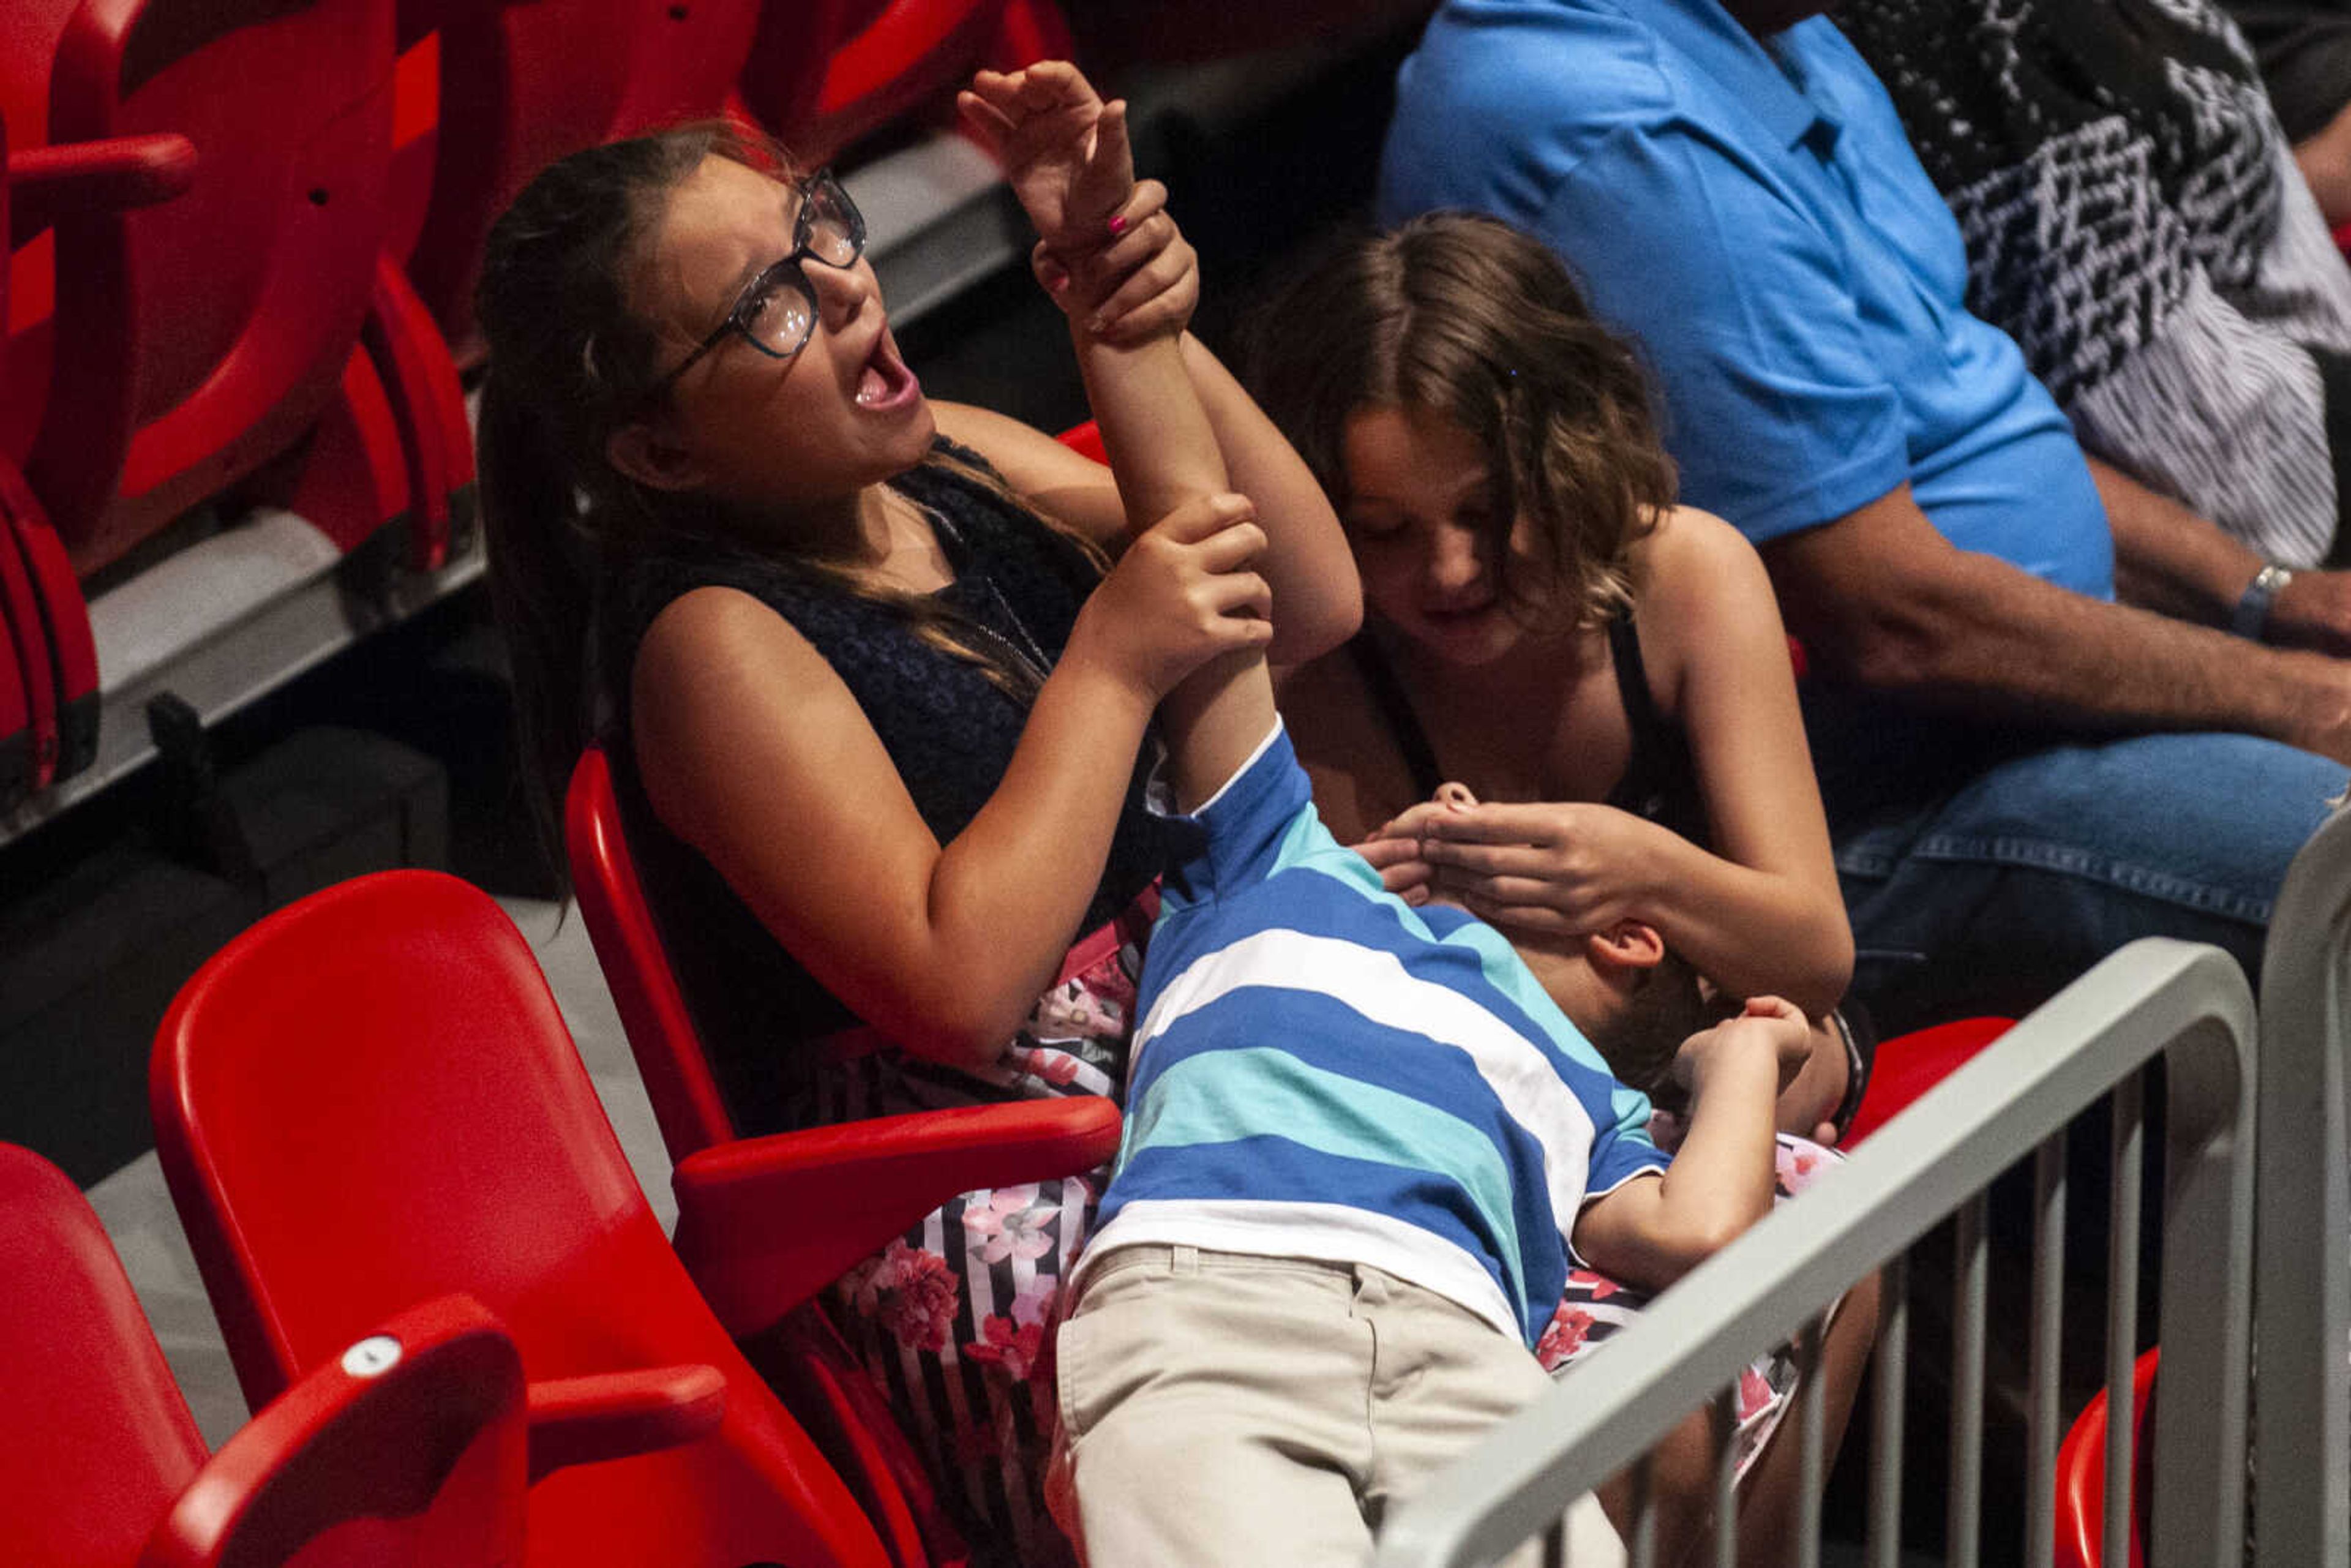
{"x": 822, "y": 76}
{"x": 48, "y": 660}
{"x": 370, "y": 1098}
{"x": 2082, "y": 1474}
{"x": 152, "y": 382}
{"x": 498, "y": 89}
{"x": 406, "y": 1451}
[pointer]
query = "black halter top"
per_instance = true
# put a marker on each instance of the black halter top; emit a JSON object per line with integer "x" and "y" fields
{"x": 1659, "y": 782}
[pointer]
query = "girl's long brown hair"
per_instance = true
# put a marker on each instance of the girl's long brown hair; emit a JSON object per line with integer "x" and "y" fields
{"x": 569, "y": 363}
{"x": 1468, "y": 318}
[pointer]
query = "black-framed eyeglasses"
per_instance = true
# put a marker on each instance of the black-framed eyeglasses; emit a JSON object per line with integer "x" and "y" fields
{"x": 776, "y": 313}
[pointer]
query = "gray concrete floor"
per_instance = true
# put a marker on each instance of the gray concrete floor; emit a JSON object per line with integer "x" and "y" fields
{"x": 138, "y": 1214}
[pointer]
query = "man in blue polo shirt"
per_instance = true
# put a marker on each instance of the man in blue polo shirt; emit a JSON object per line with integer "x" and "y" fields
{"x": 2020, "y": 772}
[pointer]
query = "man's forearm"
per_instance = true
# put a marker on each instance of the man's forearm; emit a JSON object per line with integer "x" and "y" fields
{"x": 2005, "y": 644}
{"x": 1883, "y": 600}
{"x": 2167, "y": 557}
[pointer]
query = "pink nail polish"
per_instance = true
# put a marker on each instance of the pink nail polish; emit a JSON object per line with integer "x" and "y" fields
{"x": 1118, "y": 225}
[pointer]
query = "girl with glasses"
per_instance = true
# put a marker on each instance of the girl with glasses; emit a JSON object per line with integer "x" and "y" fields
{"x": 876, "y": 674}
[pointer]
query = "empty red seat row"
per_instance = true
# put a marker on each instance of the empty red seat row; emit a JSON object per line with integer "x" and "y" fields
{"x": 246, "y": 235}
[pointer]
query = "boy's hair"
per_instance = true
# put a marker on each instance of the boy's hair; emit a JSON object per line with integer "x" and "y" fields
{"x": 1469, "y": 319}
{"x": 1666, "y": 1006}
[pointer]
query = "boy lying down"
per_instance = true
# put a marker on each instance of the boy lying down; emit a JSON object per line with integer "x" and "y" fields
{"x": 1361, "y": 1143}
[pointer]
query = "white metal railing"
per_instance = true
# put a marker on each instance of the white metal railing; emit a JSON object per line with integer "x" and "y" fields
{"x": 2301, "y": 1271}
{"x": 2189, "y": 1004}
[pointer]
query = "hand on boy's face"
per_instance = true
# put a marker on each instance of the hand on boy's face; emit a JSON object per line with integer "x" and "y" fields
{"x": 1394, "y": 849}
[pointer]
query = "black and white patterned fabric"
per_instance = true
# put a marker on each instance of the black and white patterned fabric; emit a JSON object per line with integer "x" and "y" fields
{"x": 2134, "y": 219}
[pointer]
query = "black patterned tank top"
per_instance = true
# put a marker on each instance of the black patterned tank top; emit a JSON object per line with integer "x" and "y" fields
{"x": 949, "y": 730}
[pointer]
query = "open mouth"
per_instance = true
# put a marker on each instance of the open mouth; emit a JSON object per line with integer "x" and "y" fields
{"x": 885, "y": 383}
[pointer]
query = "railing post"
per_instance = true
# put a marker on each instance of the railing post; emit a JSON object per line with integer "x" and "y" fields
{"x": 2155, "y": 995}
{"x": 2302, "y": 1508}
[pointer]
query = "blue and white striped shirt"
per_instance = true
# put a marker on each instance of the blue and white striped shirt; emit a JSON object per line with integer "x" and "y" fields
{"x": 1324, "y": 1071}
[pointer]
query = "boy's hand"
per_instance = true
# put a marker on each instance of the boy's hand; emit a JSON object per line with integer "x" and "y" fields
{"x": 1064, "y": 150}
{"x": 1770, "y": 1031}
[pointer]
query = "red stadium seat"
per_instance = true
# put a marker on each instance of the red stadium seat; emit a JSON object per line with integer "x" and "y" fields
{"x": 185, "y": 345}
{"x": 906, "y": 1165}
{"x": 499, "y": 88}
{"x": 370, "y": 1098}
{"x": 677, "y": 1077}
{"x": 48, "y": 660}
{"x": 1907, "y": 1065}
{"x": 412, "y": 1446}
{"x": 822, "y": 76}
{"x": 96, "y": 1441}
{"x": 2082, "y": 1474}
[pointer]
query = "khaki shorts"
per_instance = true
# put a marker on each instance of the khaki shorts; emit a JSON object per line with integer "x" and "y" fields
{"x": 1217, "y": 1408}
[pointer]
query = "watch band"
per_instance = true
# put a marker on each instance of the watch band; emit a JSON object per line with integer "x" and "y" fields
{"x": 2252, "y": 617}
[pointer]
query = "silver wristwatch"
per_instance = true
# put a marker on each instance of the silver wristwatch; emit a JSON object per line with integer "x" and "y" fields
{"x": 2253, "y": 613}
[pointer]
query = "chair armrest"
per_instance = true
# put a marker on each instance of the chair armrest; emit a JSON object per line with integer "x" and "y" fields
{"x": 425, "y": 1415}
{"x": 764, "y": 1224}
{"x": 46, "y": 183}
{"x": 611, "y": 1415}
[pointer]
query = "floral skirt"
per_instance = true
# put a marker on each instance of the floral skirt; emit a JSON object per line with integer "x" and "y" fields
{"x": 1595, "y": 1307}
{"x": 954, "y": 1320}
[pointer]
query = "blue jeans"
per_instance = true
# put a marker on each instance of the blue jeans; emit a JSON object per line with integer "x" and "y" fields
{"x": 1983, "y": 870}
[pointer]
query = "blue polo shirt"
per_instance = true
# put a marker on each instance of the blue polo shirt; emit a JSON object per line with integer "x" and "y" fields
{"x": 1756, "y": 217}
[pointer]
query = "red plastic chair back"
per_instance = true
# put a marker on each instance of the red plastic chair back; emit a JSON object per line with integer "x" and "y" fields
{"x": 1907, "y": 1065}
{"x": 521, "y": 83}
{"x": 2082, "y": 1474}
{"x": 821, "y": 75}
{"x": 96, "y": 1440}
{"x": 677, "y": 1077}
{"x": 409, "y": 1448}
{"x": 370, "y": 1100}
{"x": 194, "y": 341}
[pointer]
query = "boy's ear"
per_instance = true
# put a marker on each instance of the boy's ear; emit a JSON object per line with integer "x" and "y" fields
{"x": 1628, "y": 945}
{"x": 645, "y": 454}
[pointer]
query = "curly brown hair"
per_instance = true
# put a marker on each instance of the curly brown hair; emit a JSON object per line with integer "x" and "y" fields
{"x": 1468, "y": 318}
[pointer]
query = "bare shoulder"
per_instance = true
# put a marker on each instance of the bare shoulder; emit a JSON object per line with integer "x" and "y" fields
{"x": 720, "y": 678}
{"x": 1073, "y": 489}
{"x": 1694, "y": 557}
{"x": 717, "y": 634}
{"x": 1702, "y": 595}
{"x": 1696, "y": 577}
